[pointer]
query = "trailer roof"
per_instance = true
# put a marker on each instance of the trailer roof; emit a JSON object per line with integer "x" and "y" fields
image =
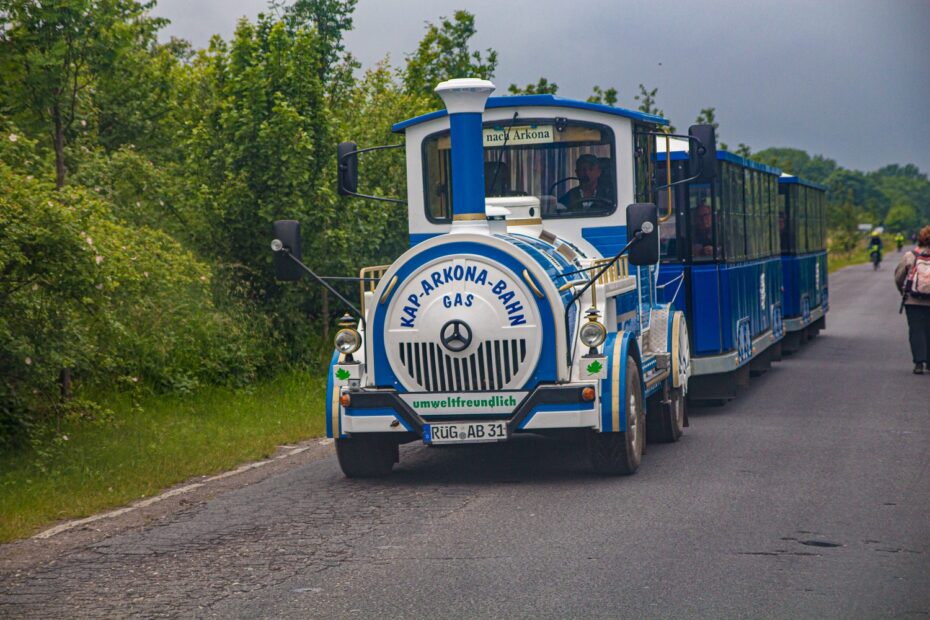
{"x": 788, "y": 179}
{"x": 725, "y": 156}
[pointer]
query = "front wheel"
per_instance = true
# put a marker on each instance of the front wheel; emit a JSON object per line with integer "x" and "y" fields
{"x": 366, "y": 457}
{"x": 621, "y": 453}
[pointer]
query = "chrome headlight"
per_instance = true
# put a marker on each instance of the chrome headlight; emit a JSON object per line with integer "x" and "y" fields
{"x": 592, "y": 334}
{"x": 348, "y": 340}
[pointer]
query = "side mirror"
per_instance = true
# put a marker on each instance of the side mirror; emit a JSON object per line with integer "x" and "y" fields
{"x": 643, "y": 216}
{"x": 286, "y": 237}
{"x": 702, "y": 156}
{"x": 347, "y": 156}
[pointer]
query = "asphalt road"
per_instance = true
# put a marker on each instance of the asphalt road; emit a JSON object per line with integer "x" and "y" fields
{"x": 807, "y": 496}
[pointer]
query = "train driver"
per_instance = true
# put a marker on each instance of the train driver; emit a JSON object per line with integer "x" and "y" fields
{"x": 593, "y": 191}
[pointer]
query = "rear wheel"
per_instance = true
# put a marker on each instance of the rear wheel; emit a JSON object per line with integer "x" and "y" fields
{"x": 621, "y": 453}
{"x": 667, "y": 422}
{"x": 366, "y": 457}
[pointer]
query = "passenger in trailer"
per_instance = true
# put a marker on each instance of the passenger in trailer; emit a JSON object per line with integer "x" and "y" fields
{"x": 594, "y": 189}
{"x": 703, "y": 226}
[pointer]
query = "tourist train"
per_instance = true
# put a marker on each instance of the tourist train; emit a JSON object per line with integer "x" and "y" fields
{"x": 554, "y": 283}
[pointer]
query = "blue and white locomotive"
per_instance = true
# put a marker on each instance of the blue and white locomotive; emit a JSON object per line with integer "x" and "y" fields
{"x": 515, "y": 309}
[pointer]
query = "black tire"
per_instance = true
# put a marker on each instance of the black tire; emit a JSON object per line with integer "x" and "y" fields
{"x": 366, "y": 457}
{"x": 666, "y": 423}
{"x": 621, "y": 453}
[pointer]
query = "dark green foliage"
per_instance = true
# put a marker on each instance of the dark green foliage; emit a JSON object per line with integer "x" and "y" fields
{"x": 542, "y": 87}
{"x": 329, "y": 19}
{"x": 52, "y": 53}
{"x": 444, "y": 54}
{"x": 647, "y": 103}
{"x": 798, "y": 163}
{"x": 896, "y": 196}
{"x": 120, "y": 304}
{"x": 606, "y": 97}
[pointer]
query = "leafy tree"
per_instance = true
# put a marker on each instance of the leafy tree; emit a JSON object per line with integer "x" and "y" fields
{"x": 542, "y": 87}
{"x": 134, "y": 102}
{"x": 708, "y": 116}
{"x": 902, "y": 218}
{"x": 647, "y": 103}
{"x": 443, "y": 54}
{"x": 843, "y": 217}
{"x": 906, "y": 186}
{"x": 262, "y": 149}
{"x": 606, "y": 97}
{"x": 47, "y": 50}
{"x": 119, "y": 304}
{"x": 797, "y": 162}
{"x": 855, "y": 187}
{"x": 330, "y": 19}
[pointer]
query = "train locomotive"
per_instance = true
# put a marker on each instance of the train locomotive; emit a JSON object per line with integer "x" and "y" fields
{"x": 527, "y": 302}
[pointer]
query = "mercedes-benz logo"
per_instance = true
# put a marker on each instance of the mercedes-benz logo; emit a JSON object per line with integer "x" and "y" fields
{"x": 455, "y": 335}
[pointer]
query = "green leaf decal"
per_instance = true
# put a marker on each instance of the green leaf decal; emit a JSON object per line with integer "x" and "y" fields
{"x": 594, "y": 367}
{"x": 342, "y": 374}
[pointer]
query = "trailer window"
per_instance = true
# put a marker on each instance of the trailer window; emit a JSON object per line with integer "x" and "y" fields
{"x": 570, "y": 166}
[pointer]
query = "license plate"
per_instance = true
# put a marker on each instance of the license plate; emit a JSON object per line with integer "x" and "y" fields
{"x": 464, "y": 432}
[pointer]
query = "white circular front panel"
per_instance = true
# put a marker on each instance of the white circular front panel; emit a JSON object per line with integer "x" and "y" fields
{"x": 462, "y": 324}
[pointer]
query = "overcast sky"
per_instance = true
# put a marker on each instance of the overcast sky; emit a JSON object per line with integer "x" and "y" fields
{"x": 849, "y": 79}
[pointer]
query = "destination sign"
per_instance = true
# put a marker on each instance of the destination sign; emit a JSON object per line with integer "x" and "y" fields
{"x": 519, "y": 135}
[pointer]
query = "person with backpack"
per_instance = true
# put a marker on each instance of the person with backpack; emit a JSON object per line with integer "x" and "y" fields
{"x": 912, "y": 277}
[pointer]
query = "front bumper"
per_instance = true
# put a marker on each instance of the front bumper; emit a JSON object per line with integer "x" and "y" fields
{"x": 545, "y": 407}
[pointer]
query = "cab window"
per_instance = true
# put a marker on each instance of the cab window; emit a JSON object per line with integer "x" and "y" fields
{"x": 568, "y": 165}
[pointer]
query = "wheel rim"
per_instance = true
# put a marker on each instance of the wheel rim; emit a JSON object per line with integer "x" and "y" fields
{"x": 678, "y": 402}
{"x": 681, "y": 353}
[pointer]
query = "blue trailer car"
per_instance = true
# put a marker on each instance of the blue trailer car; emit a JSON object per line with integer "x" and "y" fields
{"x": 721, "y": 265}
{"x": 803, "y": 222}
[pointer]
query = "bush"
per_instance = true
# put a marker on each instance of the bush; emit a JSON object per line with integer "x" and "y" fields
{"x": 118, "y": 304}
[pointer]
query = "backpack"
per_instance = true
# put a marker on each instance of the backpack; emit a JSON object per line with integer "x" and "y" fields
{"x": 917, "y": 284}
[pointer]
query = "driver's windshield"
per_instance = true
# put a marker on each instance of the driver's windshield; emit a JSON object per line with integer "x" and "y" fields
{"x": 568, "y": 165}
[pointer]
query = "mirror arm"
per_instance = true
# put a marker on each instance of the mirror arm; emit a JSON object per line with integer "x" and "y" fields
{"x": 637, "y": 236}
{"x": 689, "y": 138}
{"x": 342, "y": 166}
{"x": 700, "y": 162}
{"x": 332, "y": 290}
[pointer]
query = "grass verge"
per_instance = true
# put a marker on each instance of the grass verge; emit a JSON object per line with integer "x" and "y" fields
{"x": 860, "y": 254}
{"x": 151, "y": 443}
{"x": 838, "y": 260}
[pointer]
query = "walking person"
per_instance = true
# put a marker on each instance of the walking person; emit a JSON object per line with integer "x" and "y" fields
{"x": 912, "y": 277}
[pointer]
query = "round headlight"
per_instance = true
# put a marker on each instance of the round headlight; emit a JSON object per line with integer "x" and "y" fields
{"x": 592, "y": 334}
{"x": 348, "y": 341}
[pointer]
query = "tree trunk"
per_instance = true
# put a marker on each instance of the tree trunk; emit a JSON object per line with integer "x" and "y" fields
{"x": 58, "y": 140}
{"x": 64, "y": 381}
{"x": 325, "y": 315}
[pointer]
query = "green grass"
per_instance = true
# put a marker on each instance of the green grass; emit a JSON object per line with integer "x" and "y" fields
{"x": 838, "y": 260}
{"x": 151, "y": 443}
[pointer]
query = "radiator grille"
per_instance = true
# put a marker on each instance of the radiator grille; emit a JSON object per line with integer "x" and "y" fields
{"x": 490, "y": 367}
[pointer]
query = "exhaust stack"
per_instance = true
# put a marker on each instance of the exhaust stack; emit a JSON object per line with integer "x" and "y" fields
{"x": 465, "y": 100}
